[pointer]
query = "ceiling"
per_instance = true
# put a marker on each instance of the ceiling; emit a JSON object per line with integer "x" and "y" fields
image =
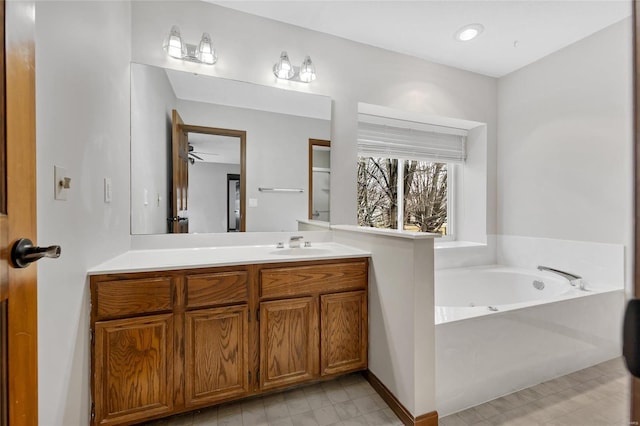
{"x": 517, "y": 32}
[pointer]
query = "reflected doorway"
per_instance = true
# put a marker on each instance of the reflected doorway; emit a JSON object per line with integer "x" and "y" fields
{"x": 233, "y": 203}
{"x": 319, "y": 179}
{"x": 203, "y": 158}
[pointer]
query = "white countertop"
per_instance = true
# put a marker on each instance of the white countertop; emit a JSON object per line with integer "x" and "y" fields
{"x": 413, "y": 235}
{"x": 166, "y": 259}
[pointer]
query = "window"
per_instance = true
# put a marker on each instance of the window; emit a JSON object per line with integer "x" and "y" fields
{"x": 414, "y": 193}
{"x": 405, "y": 171}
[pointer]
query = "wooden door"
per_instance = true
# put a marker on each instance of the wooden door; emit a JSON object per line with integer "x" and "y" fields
{"x": 18, "y": 292}
{"x": 133, "y": 369}
{"x": 343, "y": 319}
{"x": 635, "y": 382}
{"x": 216, "y": 354}
{"x": 288, "y": 341}
{"x": 179, "y": 222}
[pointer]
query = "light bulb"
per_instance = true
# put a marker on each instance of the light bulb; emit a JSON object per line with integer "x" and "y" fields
{"x": 174, "y": 45}
{"x": 206, "y": 53}
{"x": 283, "y": 68}
{"x": 307, "y": 70}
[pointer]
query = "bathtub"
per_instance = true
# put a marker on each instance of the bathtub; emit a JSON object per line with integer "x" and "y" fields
{"x": 501, "y": 329}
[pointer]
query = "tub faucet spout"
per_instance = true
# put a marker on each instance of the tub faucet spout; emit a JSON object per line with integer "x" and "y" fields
{"x": 572, "y": 278}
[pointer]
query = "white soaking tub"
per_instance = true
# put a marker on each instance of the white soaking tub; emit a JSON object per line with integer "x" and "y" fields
{"x": 501, "y": 329}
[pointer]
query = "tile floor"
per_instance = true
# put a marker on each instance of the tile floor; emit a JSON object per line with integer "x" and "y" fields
{"x": 349, "y": 400}
{"x": 596, "y": 396}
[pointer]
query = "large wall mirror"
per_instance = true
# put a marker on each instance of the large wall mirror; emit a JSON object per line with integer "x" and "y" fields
{"x": 214, "y": 155}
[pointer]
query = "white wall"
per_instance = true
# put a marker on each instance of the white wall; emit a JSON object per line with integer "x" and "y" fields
{"x": 565, "y": 143}
{"x": 277, "y": 157}
{"x": 152, "y": 102}
{"x": 208, "y": 196}
{"x": 83, "y": 55}
{"x": 82, "y": 107}
{"x": 401, "y": 314}
{"x": 393, "y": 80}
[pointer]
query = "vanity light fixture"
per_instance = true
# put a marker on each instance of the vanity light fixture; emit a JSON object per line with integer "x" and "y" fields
{"x": 203, "y": 53}
{"x": 469, "y": 32}
{"x": 283, "y": 69}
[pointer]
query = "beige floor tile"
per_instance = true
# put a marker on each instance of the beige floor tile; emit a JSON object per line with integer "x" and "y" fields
{"x": 295, "y": 394}
{"x": 298, "y": 405}
{"x": 378, "y": 418}
{"x": 347, "y": 410}
{"x": 598, "y": 396}
{"x": 318, "y": 400}
{"x": 544, "y": 389}
{"x": 207, "y": 417}
{"x": 326, "y": 415}
{"x": 352, "y": 378}
{"x": 486, "y": 411}
{"x": 367, "y": 404}
{"x": 230, "y": 420}
{"x": 502, "y": 404}
{"x": 523, "y": 397}
{"x": 276, "y": 411}
{"x": 357, "y": 390}
{"x": 337, "y": 395}
{"x": 452, "y": 420}
{"x": 304, "y": 419}
{"x": 229, "y": 410}
{"x": 356, "y": 421}
{"x": 586, "y": 374}
{"x": 395, "y": 421}
{"x": 559, "y": 384}
{"x": 282, "y": 422}
{"x": 251, "y": 418}
{"x": 470, "y": 416}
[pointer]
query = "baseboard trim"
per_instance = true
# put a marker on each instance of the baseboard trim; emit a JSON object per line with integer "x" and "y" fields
{"x": 428, "y": 419}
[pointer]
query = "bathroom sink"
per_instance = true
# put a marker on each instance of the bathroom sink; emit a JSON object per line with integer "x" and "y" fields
{"x": 301, "y": 251}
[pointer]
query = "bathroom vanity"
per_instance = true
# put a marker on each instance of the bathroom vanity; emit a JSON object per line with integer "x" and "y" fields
{"x": 165, "y": 341}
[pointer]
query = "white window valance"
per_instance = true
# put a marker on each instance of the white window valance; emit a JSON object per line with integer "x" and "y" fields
{"x": 386, "y": 137}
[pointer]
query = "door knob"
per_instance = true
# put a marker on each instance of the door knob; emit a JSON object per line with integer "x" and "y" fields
{"x": 23, "y": 253}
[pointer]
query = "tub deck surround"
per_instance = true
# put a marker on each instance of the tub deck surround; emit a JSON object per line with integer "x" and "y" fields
{"x": 203, "y": 257}
{"x": 530, "y": 337}
{"x": 465, "y": 293}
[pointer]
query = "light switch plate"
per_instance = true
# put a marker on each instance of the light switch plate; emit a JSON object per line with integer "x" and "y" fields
{"x": 59, "y": 190}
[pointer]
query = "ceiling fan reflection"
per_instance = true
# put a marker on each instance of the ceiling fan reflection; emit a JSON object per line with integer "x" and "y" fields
{"x": 193, "y": 155}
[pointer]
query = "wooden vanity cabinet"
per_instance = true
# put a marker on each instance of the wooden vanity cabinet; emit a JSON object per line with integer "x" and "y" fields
{"x": 172, "y": 341}
{"x": 216, "y": 338}
{"x": 344, "y": 332}
{"x": 289, "y": 342}
{"x": 313, "y": 321}
{"x": 132, "y": 349}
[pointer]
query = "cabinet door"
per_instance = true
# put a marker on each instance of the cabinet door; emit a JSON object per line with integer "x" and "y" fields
{"x": 288, "y": 341}
{"x": 133, "y": 368}
{"x": 344, "y": 332}
{"x": 216, "y": 353}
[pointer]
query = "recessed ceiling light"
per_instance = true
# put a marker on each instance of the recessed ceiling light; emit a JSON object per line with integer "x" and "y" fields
{"x": 469, "y": 32}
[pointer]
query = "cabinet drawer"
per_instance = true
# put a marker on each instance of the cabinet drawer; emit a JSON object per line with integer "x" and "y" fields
{"x": 217, "y": 289}
{"x": 133, "y": 297}
{"x": 302, "y": 280}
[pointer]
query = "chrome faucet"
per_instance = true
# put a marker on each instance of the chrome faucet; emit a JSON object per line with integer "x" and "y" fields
{"x": 294, "y": 242}
{"x": 572, "y": 278}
